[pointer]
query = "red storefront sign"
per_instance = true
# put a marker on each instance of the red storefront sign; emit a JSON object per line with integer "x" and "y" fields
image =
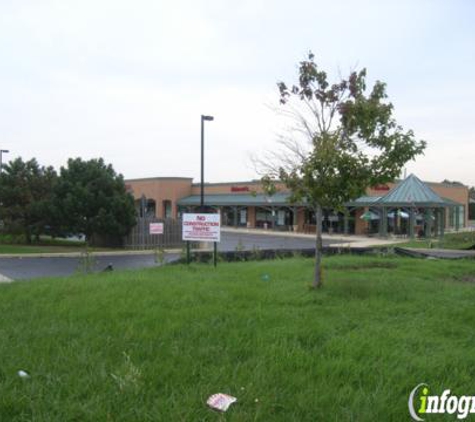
{"x": 239, "y": 189}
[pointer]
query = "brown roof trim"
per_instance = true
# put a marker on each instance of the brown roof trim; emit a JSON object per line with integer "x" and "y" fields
{"x": 247, "y": 182}
{"x": 258, "y": 182}
{"x": 449, "y": 185}
{"x": 151, "y": 179}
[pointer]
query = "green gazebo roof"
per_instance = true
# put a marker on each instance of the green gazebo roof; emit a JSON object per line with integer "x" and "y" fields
{"x": 412, "y": 191}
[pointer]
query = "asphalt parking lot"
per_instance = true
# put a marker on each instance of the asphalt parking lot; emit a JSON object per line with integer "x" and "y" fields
{"x": 28, "y": 268}
{"x": 23, "y": 268}
{"x": 232, "y": 240}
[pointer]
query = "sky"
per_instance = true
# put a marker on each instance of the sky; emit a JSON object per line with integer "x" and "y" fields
{"x": 128, "y": 80}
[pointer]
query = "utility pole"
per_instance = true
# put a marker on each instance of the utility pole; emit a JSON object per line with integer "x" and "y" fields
{"x": 202, "y": 192}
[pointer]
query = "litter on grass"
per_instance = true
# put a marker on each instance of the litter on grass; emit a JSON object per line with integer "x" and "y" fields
{"x": 220, "y": 401}
{"x": 23, "y": 374}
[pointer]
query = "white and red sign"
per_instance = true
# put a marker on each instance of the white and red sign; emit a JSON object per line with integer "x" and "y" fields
{"x": 202, "y": 227}
{"x": 156, "y": 228}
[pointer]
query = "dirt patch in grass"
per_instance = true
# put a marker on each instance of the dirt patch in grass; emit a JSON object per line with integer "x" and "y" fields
{"x": 365, "y": 266}
{"x": 466, "y": 278}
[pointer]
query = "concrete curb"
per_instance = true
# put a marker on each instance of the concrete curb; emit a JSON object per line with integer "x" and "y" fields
{"x": 436, "y": 253}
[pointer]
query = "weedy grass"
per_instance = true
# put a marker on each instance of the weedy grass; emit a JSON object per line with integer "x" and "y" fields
{"x": 152, "y": 345}
{"x": 38, "y": 249}
{"x": 460, "y": 241}
{"x": 16, "y": 244}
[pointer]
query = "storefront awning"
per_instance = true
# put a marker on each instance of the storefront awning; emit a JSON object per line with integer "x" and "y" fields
{"x": 369, "y": 216}
{"x": 278, "y": 199}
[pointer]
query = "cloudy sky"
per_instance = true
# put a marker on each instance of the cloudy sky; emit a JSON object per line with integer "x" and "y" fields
{"x": 128, "y": 80}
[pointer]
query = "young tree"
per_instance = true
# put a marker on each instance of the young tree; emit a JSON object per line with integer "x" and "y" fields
{"x": 345, "y": 140}
{"x": 26, "y": 197}
{"x": 93, "y": 200}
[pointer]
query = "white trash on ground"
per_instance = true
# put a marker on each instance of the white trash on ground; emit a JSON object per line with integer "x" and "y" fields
{"x": 220, "y": 401}
{"x": 23, "y": 374}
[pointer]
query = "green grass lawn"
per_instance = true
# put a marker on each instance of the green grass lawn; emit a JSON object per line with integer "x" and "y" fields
{"x": 36, "y": 249}
{"x": 152, "y": 345}
{"x": 17, "y": 245}
{"x": 461, "y": 240}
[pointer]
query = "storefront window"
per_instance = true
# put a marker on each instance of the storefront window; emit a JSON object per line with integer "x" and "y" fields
{"x": 167, "y": 209}
{"x": 461, "y": 211}
{"x": 243, "y": 217}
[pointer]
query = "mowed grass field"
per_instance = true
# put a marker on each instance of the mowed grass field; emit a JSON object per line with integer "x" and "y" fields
{"x": 152, "y": 345}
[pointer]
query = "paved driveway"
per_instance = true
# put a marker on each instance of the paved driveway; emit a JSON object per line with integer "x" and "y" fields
{"x": 30, "y": 267}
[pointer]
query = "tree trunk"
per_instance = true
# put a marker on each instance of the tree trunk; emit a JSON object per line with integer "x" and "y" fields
{"x": 28, "y": 236}
{"x": 318, "y": 279}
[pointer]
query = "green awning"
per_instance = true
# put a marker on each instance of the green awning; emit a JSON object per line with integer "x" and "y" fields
{"x": 364, "y": 201}
{"x": 278, "y": 199}
{"x": 369, "y": 215}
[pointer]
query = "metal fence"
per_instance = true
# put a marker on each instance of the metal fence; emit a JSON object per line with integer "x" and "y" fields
{"x": 140, "y": 237}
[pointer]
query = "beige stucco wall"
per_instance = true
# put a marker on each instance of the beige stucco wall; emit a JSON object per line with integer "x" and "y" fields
{"x": 227, "y": 188}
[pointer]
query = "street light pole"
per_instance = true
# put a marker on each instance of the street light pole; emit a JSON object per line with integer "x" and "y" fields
{"x": 202, "y": 197}
{"x": 2, "y": 151}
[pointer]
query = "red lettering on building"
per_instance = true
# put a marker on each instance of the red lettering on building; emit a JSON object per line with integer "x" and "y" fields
{"x": 239, "y": 189}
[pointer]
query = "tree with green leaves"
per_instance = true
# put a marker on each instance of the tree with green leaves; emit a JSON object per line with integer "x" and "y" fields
{"x": 26, "y": 190}
{"x": 93, "y": 200}
{"x": 344, "y": 139}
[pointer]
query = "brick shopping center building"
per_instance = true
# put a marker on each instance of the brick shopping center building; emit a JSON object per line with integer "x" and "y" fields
{"x": 409, "y": 206}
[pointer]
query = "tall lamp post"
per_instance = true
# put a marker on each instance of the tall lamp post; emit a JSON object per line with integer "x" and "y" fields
{"x": 2, "y": 151}
{"x": 203, "y": 119}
